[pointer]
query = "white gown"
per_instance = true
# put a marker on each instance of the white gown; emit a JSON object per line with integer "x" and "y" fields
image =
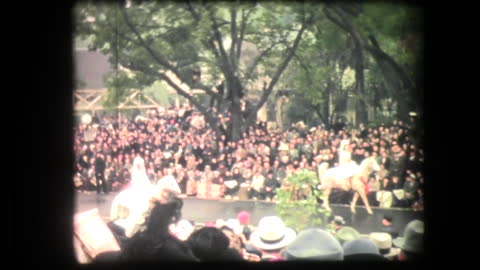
{"x": 347, "y": 167}
{"x": 136, "y": 199}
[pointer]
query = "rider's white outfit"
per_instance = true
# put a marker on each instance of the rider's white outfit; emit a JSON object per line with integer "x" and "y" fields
{"x": 347, "y": 167}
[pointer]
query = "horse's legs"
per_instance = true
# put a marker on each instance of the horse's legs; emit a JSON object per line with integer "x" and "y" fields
{"x": 365, "y": 201}
{"x": 354, "y": 202}
{"x": 326, "y": 203}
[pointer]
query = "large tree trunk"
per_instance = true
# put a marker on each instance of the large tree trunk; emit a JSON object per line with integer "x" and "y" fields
{"x": 237, "y": 128}
{"x": 339, "y": 17}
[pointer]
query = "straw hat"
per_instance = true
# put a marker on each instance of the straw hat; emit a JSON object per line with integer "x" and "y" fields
{"x": 272, "y": 234}
{"x": 384, "y": 243}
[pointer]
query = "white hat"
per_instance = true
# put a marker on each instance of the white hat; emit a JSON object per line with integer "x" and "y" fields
{"x": 384, "y": 243}
{"x": 272, "y": 234}
{"x": 86, "y": 119}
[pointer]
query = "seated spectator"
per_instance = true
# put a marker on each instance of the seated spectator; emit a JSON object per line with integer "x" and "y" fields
{"x": 314, "y": 244}
{"x": 210, "y": 244}
{"x": 411, "y": 190}
{"x": 384, "y": 243}
{"x": 257, "y": 186}
{"x": 362, "y": 249}
{"x": 411, "y": 244}
{"x": 385, "y": 196}
{"x": 271, "y": 184}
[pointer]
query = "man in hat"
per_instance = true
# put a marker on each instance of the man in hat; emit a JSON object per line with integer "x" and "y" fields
{"x": 314, "y": 244}
{"x": 100, "y": 173}
{"x": 271, "y": 237}
{"x": 411, "y": 244}
{"x": 337, "y": 224}
{"x": 384, "y": 243}
{"x": 388, "y": 226}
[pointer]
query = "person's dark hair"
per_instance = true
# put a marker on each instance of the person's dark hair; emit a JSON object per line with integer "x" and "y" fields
{"x": 247, "y": 232}
{"x": 412, "y": 256}
{"x": 155, "y": 242}
{"x": 226, "y": 228}
{"x": 208, "y": 243}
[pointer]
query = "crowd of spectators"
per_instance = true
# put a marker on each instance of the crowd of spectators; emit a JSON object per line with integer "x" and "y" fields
{"x": 165, "y": 236}
{"x": 176, "y": 141}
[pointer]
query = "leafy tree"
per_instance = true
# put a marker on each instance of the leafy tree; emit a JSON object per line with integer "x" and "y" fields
{"x": 384, "y": 32}
{"x": 301, "y": 212}
{"x": 197, "y": 45}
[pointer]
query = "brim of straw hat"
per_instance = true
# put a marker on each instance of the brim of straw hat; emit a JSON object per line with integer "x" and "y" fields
{"x": 288, "y": 238}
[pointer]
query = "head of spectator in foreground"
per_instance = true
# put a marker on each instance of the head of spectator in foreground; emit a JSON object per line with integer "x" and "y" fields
{"x": 314, "y": 244}
{"x": 411, "y": 244}
{"x": 155, "y": 243}
{"x": 362, "y": 249}
{"x": 271, "y": 235}
{"x": 347, "y": 234}
{"x": 211, "y": 244}
{"x": 235, "y": 241}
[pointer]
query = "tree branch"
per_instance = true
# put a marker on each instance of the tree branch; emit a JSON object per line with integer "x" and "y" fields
{"x": 211, "y": 119}
{"x": 192, "y": 11}
{"x": 378, "y": 54}
{"x": 281, "y": 68}
{"x": 242, "y": 32}
{"x": 258, "y": 59}
{"x": 233, "y": 32}
{"x": 218, "y": 36}
{"x": 161, "y": 60}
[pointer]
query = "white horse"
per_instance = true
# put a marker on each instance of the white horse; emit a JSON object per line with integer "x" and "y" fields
{"x": 338, "y": 178}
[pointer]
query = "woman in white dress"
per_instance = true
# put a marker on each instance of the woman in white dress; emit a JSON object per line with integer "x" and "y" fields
{"x": 347, "y": 167}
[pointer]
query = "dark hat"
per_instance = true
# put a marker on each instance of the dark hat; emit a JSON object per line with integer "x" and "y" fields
{"x": 412, "y": 240}
{"x": 314, "y": 244}
{"x": 388, "y": 218}
{"x": 362, "y": 249}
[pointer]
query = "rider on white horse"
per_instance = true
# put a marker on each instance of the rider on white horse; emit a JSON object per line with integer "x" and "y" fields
{"x": 347, "y": 167}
